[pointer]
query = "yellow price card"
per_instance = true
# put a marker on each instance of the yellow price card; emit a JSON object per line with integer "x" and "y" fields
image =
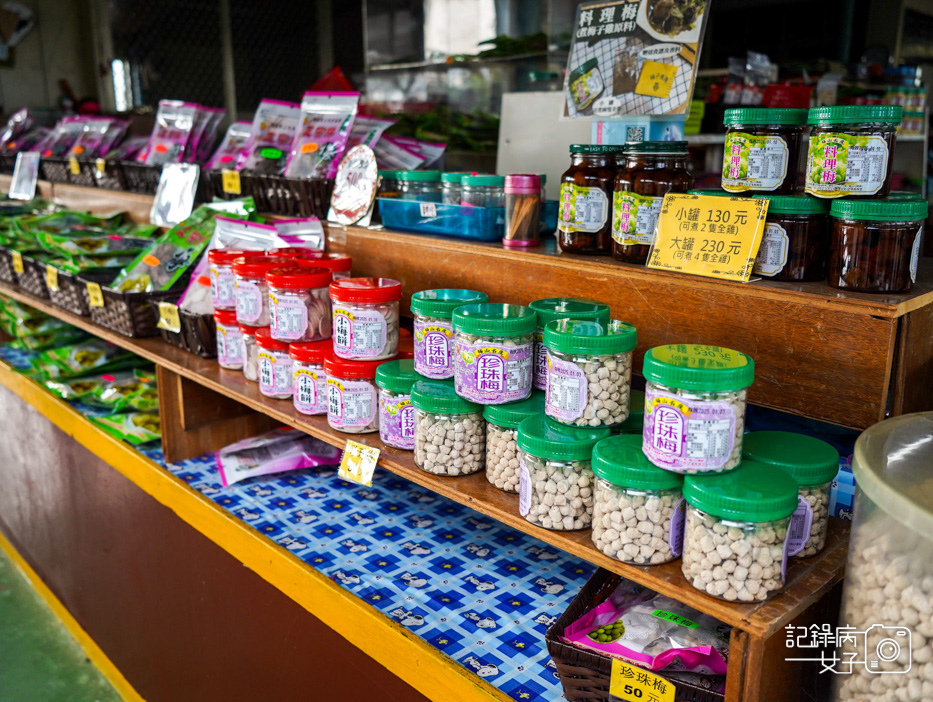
{"x": 358, "y": 463}
{"x": 101, "y": 166}
{"x": 168, "y": 317}
{"x": 74, "y": 165}
{"x": 51, "y": 278}
{"x": 17, "y": 261}
{"x": 708, "y": 235}
{"x": 95, "y": 295}
{"x": 632, "y": 684}
{"x": 656, "y": 79}
{"x": 230, "y": 180}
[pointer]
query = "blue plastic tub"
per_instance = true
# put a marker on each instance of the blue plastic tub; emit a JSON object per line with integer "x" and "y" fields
{"x": 477, "y": 223}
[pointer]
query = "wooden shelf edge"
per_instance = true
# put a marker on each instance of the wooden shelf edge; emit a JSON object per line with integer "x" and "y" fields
{"x": 400, "y": 651}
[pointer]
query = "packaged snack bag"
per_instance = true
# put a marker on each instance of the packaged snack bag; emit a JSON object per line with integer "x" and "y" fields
{"x": 80, "y": 359}
{"x": 128, "y": 150}
{"x": 133, "y": 427}
{"x": 271, "y": 135}
{"x": 276, "y": 451}
{"x": 326, "y": 121}
{"x": 96, "y": 137}
{"x": 367, "y": 131}
{"x": 173, "y": 127}
{"x": 228, "y": 153}
{"x": 16, "y": 126}
{"x": 208, "y": 136}
{"x": 61, "y": 138}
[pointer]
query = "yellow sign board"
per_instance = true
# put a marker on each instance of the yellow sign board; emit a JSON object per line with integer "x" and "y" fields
{"x": 168, "y": 317}
{"x": 656, "y": 79}
{"x": 74, "y": 166}
{"x": 230, "y": 180}
{"x": 95, "y": 295}
{"x": 51, "y": 278}
{"x": 633, "y": 684}
{"x": 17, "y": 262}
{"x": 358, "y": 463}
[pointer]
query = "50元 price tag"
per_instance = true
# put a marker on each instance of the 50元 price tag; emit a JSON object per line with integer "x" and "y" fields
{"x": 632, "y": 684}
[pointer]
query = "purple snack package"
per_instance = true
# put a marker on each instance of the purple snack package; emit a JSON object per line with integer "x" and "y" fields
{"x": 393, "y": 156}
{"x": 20, "y": 123}
{"x": 368, "y": 131}
{"x": 208, "y": 136}
{"x": 228, "y": 153}
{"x": 114, "y": 134}
{"x": 326, "y": 121}
{"x": 173, "y": 127}
{"x": 127, "y": 150}
{"x": 98, "y": 134}
{"x": 61, "y": 138}
{"x": 277, "y": 451}
{"x": 201, "y": 117}
{"x": 429, "y": 150}
{"x": 270, "y": 139}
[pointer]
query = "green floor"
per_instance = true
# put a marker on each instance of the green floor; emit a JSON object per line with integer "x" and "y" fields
{"x": 39, "y": 659}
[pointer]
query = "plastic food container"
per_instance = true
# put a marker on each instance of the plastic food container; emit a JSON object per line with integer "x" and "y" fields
{"x": 365, "y": 325}
{"x": 432, "y": 310}
{"x": 229, "y": 340}
{"x": 589, "y": 371}
{"x": 502, "y": 468}
{"x": 888, "y": 589}
{"x": 552, "y": 308}
{"x": 252, "y": 293}
{"x": 223, "y": 283}
{"x": 388, "y": 184}
{"x": 735, "y": 540}
{"x": 695, "y": 403}
{"x": 299, "y": 308}
{"x": 450, "y": 188}
{"x": 795, "y": 243}
{"x": 419, "y": 185}
{"x": 522, "y": 211}
{"x": 584, "y": 219}
{"x": 450, "y": 432}
{"x": 638, "y": 509}
{"x": 875, "y": 244}
{"x": 493, "y": 352}
{"x": 309, "y": 381}
{"x": 812, "y": 464}
{"x": 851, "y": 150}
{"x": 337, "y": 263}
{"x": 250, "y": 352}
{"x": 556, "y": 484}
{"x": 275, "y": 366}
{"x": 482, "y": 191}
{"x": 396, "y": 413}
{"x": 352, "y": 400}
{"x": 762, "y": 149}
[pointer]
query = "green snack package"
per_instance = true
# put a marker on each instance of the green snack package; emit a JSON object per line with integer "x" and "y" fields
{"x": 50, "y": 340}
{"x": 134, "y": 427}
{"x": 120, "y": 391}
{"x": 72, "y": 244}
{"x": 64, "y": 221}
{"x": 81, "y": 359}
{"x": 37, "y": 325}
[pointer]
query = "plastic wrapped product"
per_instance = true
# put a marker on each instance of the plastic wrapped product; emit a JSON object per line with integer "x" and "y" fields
{"x": 230, "y": 349}
{"x": 326, "y": 121}
{"x": 420, "y": 185}
{"x": 813, "y": 464}
{"x": 551, "y": 308}
{"x": 589, "y": 371}
{"x": 450, "y": 432}
{"x": 250, "y": 352}
{"x": 365, "y": 317}
{"x": 735, "y": 539}
{"x": 61, "y": 138}
{"x": 556, "y": 486}
{"x": 223, "y": 282}
{"x": 433, "y": 333}
{"x": 762, "y": 150}
{"x": 584, "y": 220}
{"x": 695, "y": 400}
{"x": 502, "y": 467}
{"x": 309, "y": 385}
{"x": 173, "y": 127}
{"x": 337, "y": 263}
{"x": 252, "y": 292}
{"x": 271, "y": 136}
{"x": 299, "y": 309}
{"x": 276, "y": 451}
{"x": 482, "y": 191}
{"x": 352, "y": 398}
{"x": 396, "y": 413}
{"x": 795, "y": 243}
{"x": 638, "y": 509}
{"x": 493, "y": 352}
{"x": 275, "y": 366}
{"x": 230, "y": 148}
{"x": 522, "y": 211}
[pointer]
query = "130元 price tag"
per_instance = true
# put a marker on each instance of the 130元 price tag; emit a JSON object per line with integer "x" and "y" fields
{"x": 708, "y": 235}
{"x": 230, "y": 180}
{"x": 633, "y": 684}
{"x": 358, "y": 463}
{"x": 168, "y": 317}
{"x": 95, "y": 295}
{"x": 51, "y": 278}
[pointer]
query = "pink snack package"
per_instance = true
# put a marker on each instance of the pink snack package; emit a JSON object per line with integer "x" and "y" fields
{"x": 326, "y": 122}
{"x": 653, "y": 632}
{"x": 270, "y": 139}
{"x": 393, "y": 156}
{"x": 228, "y": 153}
{"x": 128, "y": 149}
{"x": 19, "y": 123}
{"x": 277, "y": 451}
{"x": 431, "y": 151}
{"x": 208, "y": 136}
{"x": 173, "y": 128}
{"x": 61, "y": 138}
{"x": 97, "y": 136}
{"x": 368, "y": 131}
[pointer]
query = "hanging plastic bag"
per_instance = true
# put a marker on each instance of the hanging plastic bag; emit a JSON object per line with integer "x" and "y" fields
{"x": 326, "y": 121}
{"x": 271, "y": 135}
{"x": 173, "y": 127}
{"x": 228, "y": 153}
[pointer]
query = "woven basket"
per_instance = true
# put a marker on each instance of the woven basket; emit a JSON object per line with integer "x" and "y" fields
{"x": 32, "y": 279}
{"x": 140, "y": 177}
{"x": 111, "y": 177}
{"x": 7, "y": 162}
{"x": 214, "y": 183}
{"x": 585, "y": 674}
{"x": 72, "y": 295}
{"x": 7, "y": 275}
{"x": 293, "y": 197}
{"x": 129, "y": 313}
{"x": 54, "y": 170}
{"x": 198, "y": 334}
{"x": 85, "y": 175}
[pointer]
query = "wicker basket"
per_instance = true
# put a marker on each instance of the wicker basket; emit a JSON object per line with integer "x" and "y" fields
{"x": 294, "y": 197}
{"x": 7, "y": 162}
{"x": 198, "y": 334}
{"x": 32, "y": 279}
{"x": 72, "y": 295}
{"x": 7, "y": 275}
{"x": 111, "y": 177}
{"x": 129, "y": 313}
{"x": 214, "y": 183}
{"x": 54, "y": 170}
{"x": 85, "y": 175}
{"x": 140, "y": 177}
{"x": 585, "y": 674}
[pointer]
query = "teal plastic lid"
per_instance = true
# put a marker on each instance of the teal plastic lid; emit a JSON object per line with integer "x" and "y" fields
{"x": 441, "y": 303}
{"x": 420, "y": 176}
{"x": 795, "y": 204}
{"x": 808, "y": 460}
{"x": 551, "y": 308}
{"x": 635, "y": 422}
{"x": 655, "y": 147}
{"x": 511, "y": 414}
{"x": 452, "y": 177}
{"x": 764, "y": 115}
{"x": 491, "y": 181}
{"x": 494, "y": 319}
{"x": 590, "y": 336}
{"x": 851, "y": 114}
{"x": 620, "y": 460}
{"x": 751, "y": 492}
{"x": 397, "y": 376}
{"x": 699, "y": 367}
{"x": 717, "y": 193}
{"x": 440, "y": 396}
{"x": 391, "y": 175}
{"x": 543, "y": 438}
{"x": 887, "y": 210}
{"x": 595, "y": 149}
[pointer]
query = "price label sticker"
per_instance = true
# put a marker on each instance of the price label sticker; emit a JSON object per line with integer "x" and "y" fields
{"x": 230, "y": 180}
{"x": 168, "y": 317}
{"x": 17, "y": 261}
{"x": 708, "y": 235}
{"x": 95, "y": 295}
{"x": 358, "y": 463}
{"x": 51, "y": 278}
{"x": 25, "y": 176}
{"x": 74, "y": 166}
{"x": 656, "y": 79}
{"x": 101, "y": 166}
{"x": 428, "y": 209}
{"x": 632, "y": 684}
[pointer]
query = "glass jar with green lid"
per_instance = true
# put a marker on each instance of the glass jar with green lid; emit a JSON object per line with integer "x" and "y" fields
{"x": 419, "y": 185}
{"x": 584, "y": 217}
{"x": 851, "y": 150}
{"x": 450, "y": 432}
{"x": 388, "y": 184}
{"x": 493, "y": 352}
{"x": 550, "y": 308}
{"x": 482, "y": 191}
{"x": 589, "y": 371}
{"x": 502, "y": 469}
{"x": 735, "y": 540}
{"x": 556, "y": 487}
{"x": 638, "y": 509}
{"x": 396, "y": 413}
{"x": 762, "y": 149}
{"x": 874, "y": 245}
{"x": 450, "y": 187}
{"x": 813, "y": 464}
{"x": 648, "y": 170}
{"x": 795, "y": 242}
{"x": 433, "y": 333}
{"x": 695, "y": 401}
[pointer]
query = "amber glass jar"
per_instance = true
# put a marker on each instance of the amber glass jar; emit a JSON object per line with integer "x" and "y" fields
{"x": 584, "y": 219}
{"x": 762, "y": 149}
{"x": 875, "y": 244}
{"x": 796, "y": 239}
{"x": 648, "y": 170}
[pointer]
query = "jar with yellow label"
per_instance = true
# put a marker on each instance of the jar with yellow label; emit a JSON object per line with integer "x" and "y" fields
{"x": 584, "y": 220}
{"x": 762, "y": 149}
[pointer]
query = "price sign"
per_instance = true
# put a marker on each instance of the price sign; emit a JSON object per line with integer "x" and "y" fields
{"x": 168, "y": 317}
{"x": 74, "y": 166}
{"x": 25, "y": 176}
{"x": 632, "y": 684}
{"x": 101, "y": 166}
{"x": 358, "y": 463}
{"x": 230, "y": 180}
{"x": 51, "y": 278}
{"x": 17, "y": 262}
{"x": 174, "y": 198}
{"x": 95, "y": 295}
{"x": 716, "y": 237}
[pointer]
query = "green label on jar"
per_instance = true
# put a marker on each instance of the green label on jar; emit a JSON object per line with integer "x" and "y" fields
{"x": 582, "y": 209}
{"x": 634, "y": 218}
{"x": 841, "y": 164}
{"x": 753, "y": 162}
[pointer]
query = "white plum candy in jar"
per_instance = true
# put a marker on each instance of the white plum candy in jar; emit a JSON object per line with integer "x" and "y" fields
{"x": 230, "y": 350}
{"x": 365, "y": 318}
{"x": 695, "y": 401}
{"x": 252, "y": 293}
{"x": 396, "y": 412}
{"x": 223, "y": 282}
{"x": 250, "y": 352}
{"x": 550, "y": 309}
{"x": 309, "y": 379}
{"x": 450, "y": 432}
{"x": 299, "y": 307}
{"x": 275, "y": 366}
{"x": 433, "y": 331}
{"x": 352, "y": 398}
{"x": 502, "y": 468}
{"x": 338, "y": 264}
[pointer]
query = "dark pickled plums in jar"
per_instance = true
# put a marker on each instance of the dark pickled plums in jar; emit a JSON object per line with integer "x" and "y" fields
{"x": 795, "y": 242}
{"x": 593, "y": 168}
